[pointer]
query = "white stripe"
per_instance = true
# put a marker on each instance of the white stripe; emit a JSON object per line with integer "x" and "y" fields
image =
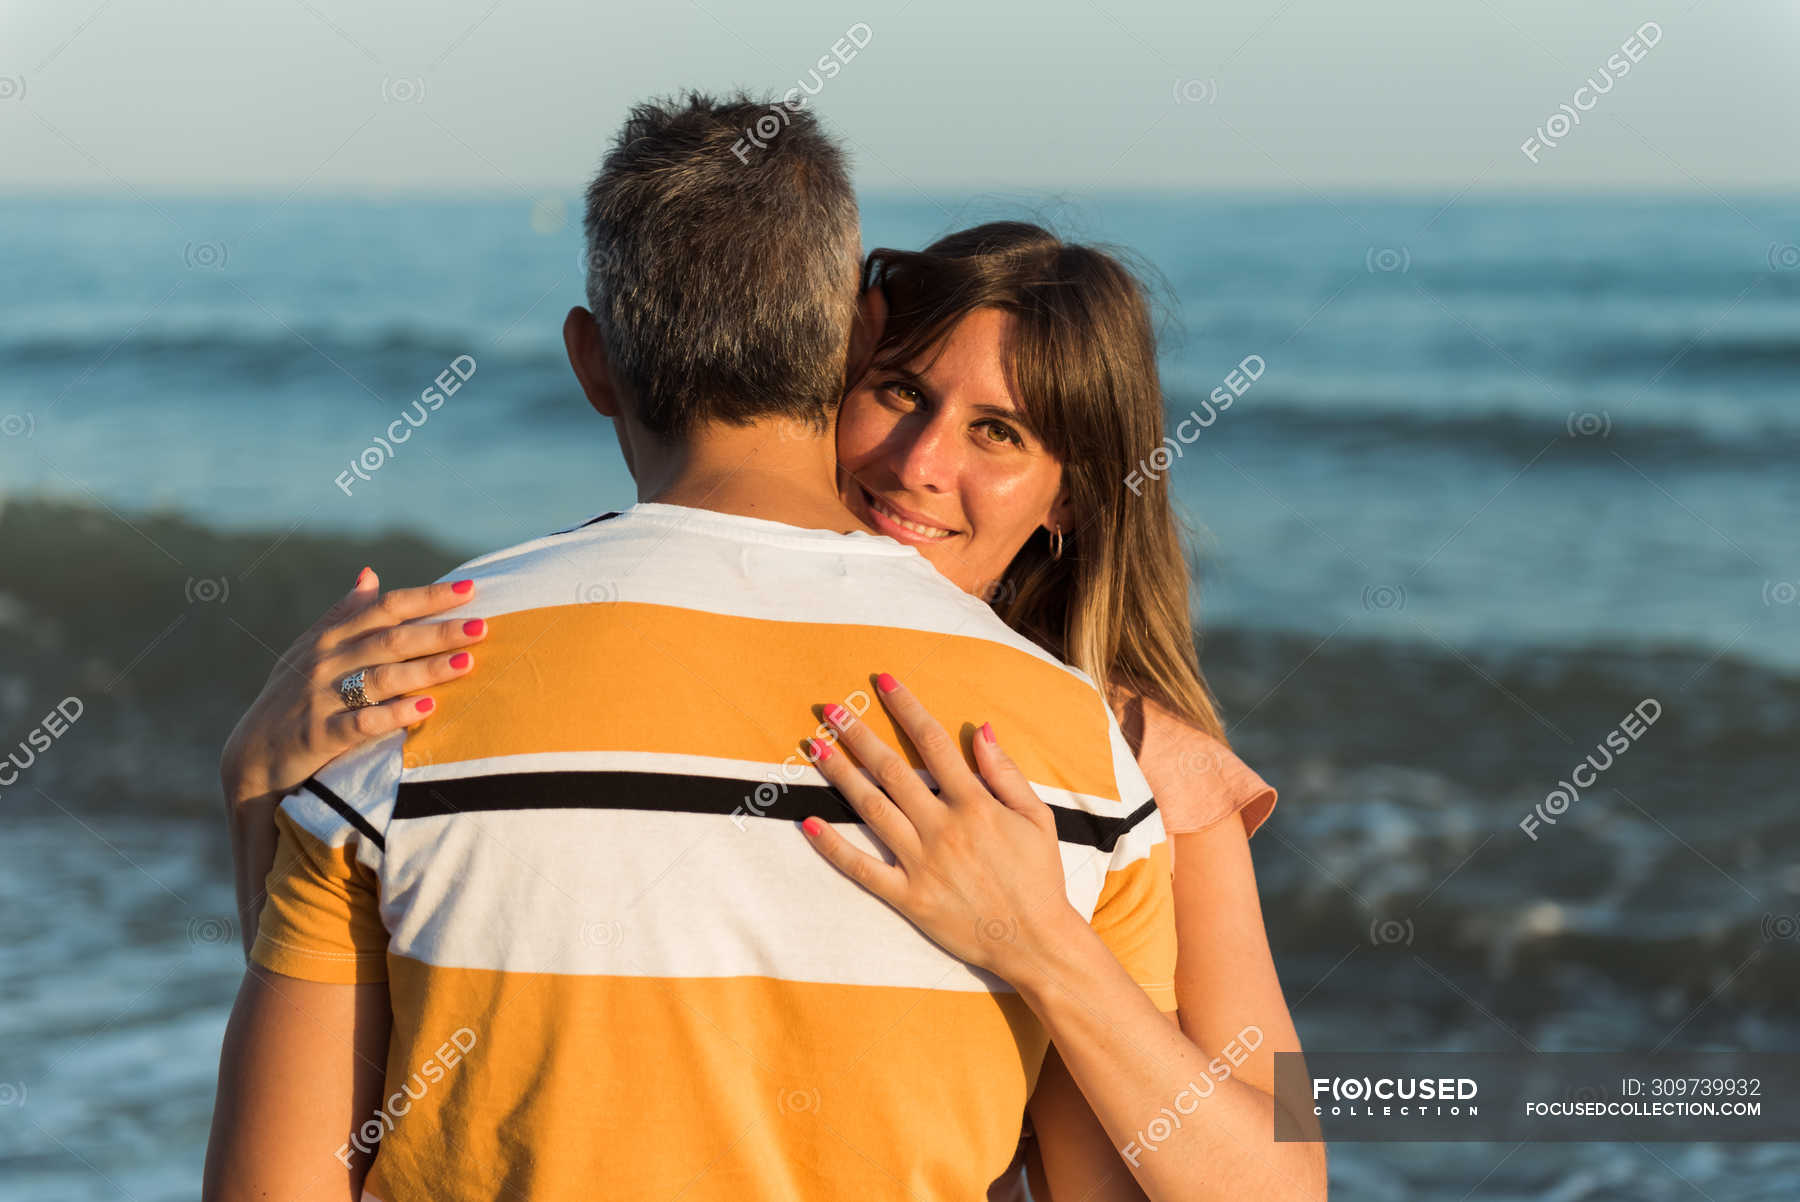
{"x": 721, "y": 564}
{"x": 604, "y": 892}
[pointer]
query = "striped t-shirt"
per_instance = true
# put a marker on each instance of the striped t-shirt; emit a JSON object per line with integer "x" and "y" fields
{"x": 616, "y": 967}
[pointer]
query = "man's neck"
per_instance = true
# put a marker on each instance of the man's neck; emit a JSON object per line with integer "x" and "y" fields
{"x": 777, "y": 471}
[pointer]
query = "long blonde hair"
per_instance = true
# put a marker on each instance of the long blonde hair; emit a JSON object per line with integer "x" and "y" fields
{"x": 1082, "y": 360}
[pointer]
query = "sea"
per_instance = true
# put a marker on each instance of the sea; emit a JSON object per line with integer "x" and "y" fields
{"x": 1470, "y": 480}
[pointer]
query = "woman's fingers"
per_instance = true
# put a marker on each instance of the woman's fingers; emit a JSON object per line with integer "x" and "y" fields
{"x": 398, "y": 644}
{"x": 351, "y": 728}
{"x": 387, "y": 681}
{"x": 878, "y": 812}
{"x": 886, "y": 768}
{"x": 1004, "y": 778}
{"x": 394, "y": 607}
{"x": 936, "y": 746}
{"x": 884, "y": 880}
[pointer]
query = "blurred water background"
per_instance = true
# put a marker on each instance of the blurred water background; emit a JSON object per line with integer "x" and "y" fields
{"x": 1511, "y": 468}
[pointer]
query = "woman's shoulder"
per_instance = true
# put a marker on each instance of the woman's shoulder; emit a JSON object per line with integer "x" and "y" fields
{"x": 1196, "y": 778}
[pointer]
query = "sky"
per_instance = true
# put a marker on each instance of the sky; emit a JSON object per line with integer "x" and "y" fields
{"x": 245, "y": 97}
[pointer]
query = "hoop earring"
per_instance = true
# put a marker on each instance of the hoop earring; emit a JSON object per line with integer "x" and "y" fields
{"x": 1056, "y": 543}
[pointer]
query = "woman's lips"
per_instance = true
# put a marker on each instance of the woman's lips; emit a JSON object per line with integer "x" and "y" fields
{"x": 897, "y": 525}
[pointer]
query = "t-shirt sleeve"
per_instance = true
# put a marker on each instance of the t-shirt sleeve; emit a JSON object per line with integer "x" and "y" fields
{"x": 1198, "y": 780}
{"x": 1135, "y": 914}
{"x": 322, "y": 918}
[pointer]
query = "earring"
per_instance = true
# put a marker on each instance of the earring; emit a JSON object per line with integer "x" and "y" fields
{"x": 1056, "y": 543}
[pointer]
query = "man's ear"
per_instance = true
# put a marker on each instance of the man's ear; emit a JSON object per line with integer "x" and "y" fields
{"x": 865, "y": 334}
{"x": 587, "y": 356}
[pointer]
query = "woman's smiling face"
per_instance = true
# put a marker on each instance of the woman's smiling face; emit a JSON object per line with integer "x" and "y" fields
{"x": 938, "y": 455}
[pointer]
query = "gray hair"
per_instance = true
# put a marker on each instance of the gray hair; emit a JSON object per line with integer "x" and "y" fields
{"x": 724, "y": 282}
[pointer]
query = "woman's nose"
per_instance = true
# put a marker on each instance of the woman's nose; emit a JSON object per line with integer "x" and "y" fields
{"x": 927, "y": 460}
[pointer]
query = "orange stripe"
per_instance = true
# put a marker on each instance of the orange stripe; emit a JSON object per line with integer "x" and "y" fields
{"x": 722, "y": 1088}
{"x": 657, "y": 678}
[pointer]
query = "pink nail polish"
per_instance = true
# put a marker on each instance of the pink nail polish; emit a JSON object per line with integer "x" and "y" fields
{"x": 460, "y": 660}
{"x": 987, "y": 731}
{"x": 462, "y": 586}
{"x": 886, "y": 683}
{"x": 817, "y": 752}
{"x": 474, "y": 626}
{"x": 812, "y": 826}
{"x": 424, "y": 705}
{"x": 836, "y": 714}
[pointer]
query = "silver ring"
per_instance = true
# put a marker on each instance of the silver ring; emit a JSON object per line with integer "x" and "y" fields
{"x": 351, "y": 690}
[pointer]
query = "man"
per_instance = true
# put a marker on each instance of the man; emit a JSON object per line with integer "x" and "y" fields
{"x": 563, "y": 940}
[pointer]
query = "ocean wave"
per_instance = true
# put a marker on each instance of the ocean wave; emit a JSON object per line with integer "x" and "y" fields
{"x": 1510, "y": 433}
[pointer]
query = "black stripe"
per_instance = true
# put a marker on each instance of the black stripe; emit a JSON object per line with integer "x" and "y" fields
{"x": 572, "y": 529}
{"x": 345, "y": 810}
{"x": 680, "y": 793}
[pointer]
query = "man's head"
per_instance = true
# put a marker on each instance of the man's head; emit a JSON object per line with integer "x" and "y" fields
{"x": 722, "y": 277}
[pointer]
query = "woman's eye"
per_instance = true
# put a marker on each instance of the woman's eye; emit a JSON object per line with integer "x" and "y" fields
{"x": 1000, "y": 432}
{"x": 903, "y": 391}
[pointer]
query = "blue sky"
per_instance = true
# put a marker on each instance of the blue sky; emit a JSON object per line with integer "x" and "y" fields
{"x": 252, "y": 96}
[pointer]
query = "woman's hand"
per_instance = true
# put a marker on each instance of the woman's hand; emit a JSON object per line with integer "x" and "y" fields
{"x": 299, "y": 722}
{"x": 978, "y": 866}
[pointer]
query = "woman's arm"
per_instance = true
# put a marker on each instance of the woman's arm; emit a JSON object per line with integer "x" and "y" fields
{"x": 301, "y": 1067}
{"x": 299, "y": 723}
{"x": 967, "y": 855}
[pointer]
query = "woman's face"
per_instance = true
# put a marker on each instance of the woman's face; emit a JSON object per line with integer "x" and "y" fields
{"x": 938, "y": 456}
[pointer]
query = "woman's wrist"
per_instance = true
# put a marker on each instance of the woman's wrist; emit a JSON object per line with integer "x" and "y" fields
{"x": 1059, "y": 957}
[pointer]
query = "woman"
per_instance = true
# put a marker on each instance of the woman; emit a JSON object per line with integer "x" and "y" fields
{"x": 1013, "y": 391}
